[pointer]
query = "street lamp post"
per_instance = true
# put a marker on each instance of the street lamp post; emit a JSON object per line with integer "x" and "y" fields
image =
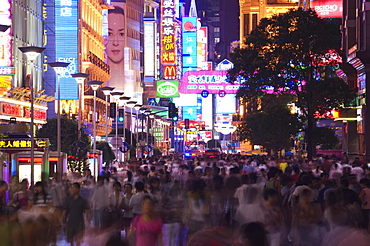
{"x": 106, "y": 90}
{"x": 95, "y": 84}
{"x": 131, "y": 105}
{"x": 3, "y": 28}
{"x": 32, "y": 52}
{"x": 137, "y": 108}
{"x": 80, "y": 78}
{"x": 124, "y": 100}
{"x": 58, "y": 68}
{"x": 116, "y": 95}
{"x": 147, "y": 113}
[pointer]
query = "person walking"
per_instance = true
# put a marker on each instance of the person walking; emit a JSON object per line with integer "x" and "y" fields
{"x": 76, "y": 207}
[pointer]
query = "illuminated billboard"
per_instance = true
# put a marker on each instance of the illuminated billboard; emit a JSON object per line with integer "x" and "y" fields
{"x": 189, "y": 112}
{"x": 168, "y": 33}
{"x": 167, "y": 88}
{"x": 149, "y": 48}
{"x": 202, "y": 50}
{"x": 116, "y": 52}
{"x": 5, "y": 37}
{"x": 328, "y": 8}
{"x": 66, "y": 45}
{"x": 194, "y": 82}
{"x": 189, "y": 42}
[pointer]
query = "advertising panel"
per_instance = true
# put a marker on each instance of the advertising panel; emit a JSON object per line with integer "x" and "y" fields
{"x": 189, "y": 112}
{"x": 189, "y": 42}
{"x": 168, "y": 33}
{"x": 226, "y": 104}
{"x": 149, "y": 48}
{"x": 328, "y": 8}
{"x": 202, "y": 50}
{"x": 5, "y": 37}
{"x": 194, "y": 82}
{"x": 167, "y": 88}
{"x": 116, "y": 42}
{"x": 66, "y": 46}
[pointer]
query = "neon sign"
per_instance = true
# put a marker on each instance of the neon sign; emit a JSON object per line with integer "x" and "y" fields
{"x": 66, "y": 45}
{"x": 21, "y": 111}
{"x": 194, "y": 82}
{"x": 5, "y": 37}
{"x": 189, "y": 42}
{"x": 168, "y": 33}
{"x": 328, "y": 8}
{"x": 194, "y": 126}
{"x": 23, "y": 143}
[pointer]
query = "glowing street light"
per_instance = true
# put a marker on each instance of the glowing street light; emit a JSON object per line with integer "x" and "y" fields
{"x": 32, "y": 52}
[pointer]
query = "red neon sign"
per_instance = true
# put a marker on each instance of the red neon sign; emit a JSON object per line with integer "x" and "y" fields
{"x": 11, "y": 109}
{"x": 36, "y": 159}
{"x": 194, "y": 126}
{"x": 38, "y": 114}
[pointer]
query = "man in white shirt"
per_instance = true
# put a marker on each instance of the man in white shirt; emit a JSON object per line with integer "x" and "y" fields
{"x": 99, "y": 203}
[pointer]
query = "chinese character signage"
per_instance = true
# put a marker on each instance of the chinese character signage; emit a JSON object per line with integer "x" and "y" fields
{"x": 21, "y": 111}
{"x": 189, "y": 42}
{"x": 194, "y": 82}
{"x": 66, "y": 45}
{"x": 328, "y": 8}
{"x": 167, "y": 88}
{"x": 6, "y": 37}
{"x": 168, "y": 33}
{"x": 23, "y": 143}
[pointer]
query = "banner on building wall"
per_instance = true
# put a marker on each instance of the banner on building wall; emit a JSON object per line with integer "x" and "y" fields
{"x": 189, "y": 43}
{"x": 116, "y": 42}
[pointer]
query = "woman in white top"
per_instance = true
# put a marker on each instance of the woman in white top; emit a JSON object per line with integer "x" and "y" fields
{"x": 115, "y": 206}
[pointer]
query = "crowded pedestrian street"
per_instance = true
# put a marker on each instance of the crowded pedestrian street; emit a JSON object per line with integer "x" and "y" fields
{"x": 229, "y": 200}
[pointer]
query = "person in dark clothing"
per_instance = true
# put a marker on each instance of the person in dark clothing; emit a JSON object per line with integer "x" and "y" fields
{"x": 74, "y": 211}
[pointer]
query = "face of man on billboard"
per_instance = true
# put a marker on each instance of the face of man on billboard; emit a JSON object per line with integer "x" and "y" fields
{"x": 116, "y": 35}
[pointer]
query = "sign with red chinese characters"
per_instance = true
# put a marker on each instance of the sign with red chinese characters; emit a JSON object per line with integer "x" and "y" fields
{"x": 168, "y": 32}
{"x": 21, "y": 111}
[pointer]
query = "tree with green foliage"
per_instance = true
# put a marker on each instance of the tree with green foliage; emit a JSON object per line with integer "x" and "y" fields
{"x": 108, "y": 154}
{"x": 68, "y": 136}
{"x": 272, "y": 127}
{"x": 325, "y": 138}
{"x": 287, "y": 54}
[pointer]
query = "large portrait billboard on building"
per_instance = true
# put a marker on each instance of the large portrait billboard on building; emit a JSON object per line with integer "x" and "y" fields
{"x": 328, "y": 8}
{"x": 116, "y": 42}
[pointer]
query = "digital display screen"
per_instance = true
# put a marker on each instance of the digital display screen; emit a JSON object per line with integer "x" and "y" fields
{"x": 66, "y": 45}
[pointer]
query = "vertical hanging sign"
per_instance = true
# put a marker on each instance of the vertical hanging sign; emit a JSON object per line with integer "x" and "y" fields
{"x": 168, "y": 33}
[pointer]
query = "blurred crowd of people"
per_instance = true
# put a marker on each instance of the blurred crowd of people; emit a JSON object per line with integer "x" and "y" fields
{"x": 172, "y": 201}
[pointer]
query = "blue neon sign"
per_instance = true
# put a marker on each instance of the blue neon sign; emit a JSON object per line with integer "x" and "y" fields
{"x": 66, "y": 45}
{"x": 189, "y": 42}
